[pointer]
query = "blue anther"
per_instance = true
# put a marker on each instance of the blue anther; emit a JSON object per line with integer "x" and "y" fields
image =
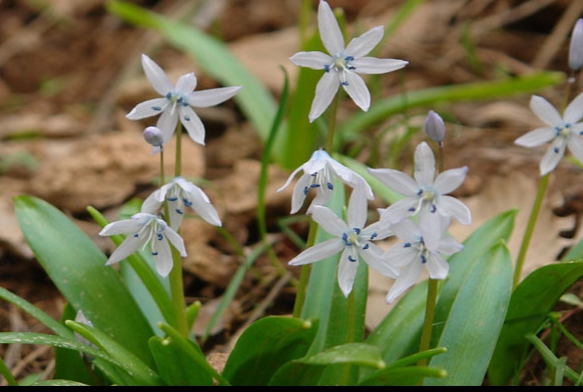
{"x": 169, "y": 96}
{"x": 179, "y": 211}
{"x": 330, "y": 186}
{"x": 154, "y": 253}
{"x": 136, "y": 235}
{"x": 407, "y": 245}
{"x": 350, "y": 258}
{"x": 423, "y": 259}
{"x": 156, "y": 108}
{"x": 327, "y": 68}
{"x": 366, "y": 246}
{"x": 433, "y": 208}
{"x": 356, "y": 230}
{"x": 306, "y": 190}
{"x": 374, "y": 235}
{"x": 186, "y": 118}
{"x": 174, "y": 198}
{"x": 160, "y": 237}
{"x": 187, "y": 202}
{"x": 556, "y": 150}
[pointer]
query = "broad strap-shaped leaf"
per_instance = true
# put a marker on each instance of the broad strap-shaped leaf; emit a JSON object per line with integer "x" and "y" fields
{"x": 265, "y": 346}
{"x": 475, "y": 320}
{"x": 177, "y": 367}
{"x": 530, "y": 304}
{"x": 77, "y": 267}
{"x": 308, "y": 370}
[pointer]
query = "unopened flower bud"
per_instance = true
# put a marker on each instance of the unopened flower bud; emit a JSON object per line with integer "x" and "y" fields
{"x": 153, "y": 135}
{"x": 434, "y": 127}
{"x": 576, "y": 47}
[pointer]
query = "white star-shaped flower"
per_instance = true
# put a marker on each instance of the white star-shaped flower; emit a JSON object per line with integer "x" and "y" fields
{"x": 562, "y": 130}
{"x": 343, "y": 64}
{"x": 425, "y": 194}
{"x": 143, "y": 228}
{"x": 319, "y": 174}
{"x": 181, "y": 193}
{"x": 351, "y": 238}
{"x": 177, "y": 102}
{"x": 411, "y": 255}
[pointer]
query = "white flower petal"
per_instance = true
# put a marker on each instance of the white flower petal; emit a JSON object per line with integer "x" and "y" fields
{"x": 176, "y": 240}
{"x": 130, "y": 245}
{"x": 299, "y": 194}
{"x": 396, "y": 180}
{"x": 357, "y": 208}
{"x": 154, "y": 201}
{"x": 122, "y": 227}
{"x": 537, "y": 137}
{"x": 430, "y": 225}
{"x": 437, "y": 266}
{"x": 424, "y": 165}
{"x": 407, "y": 230}
{"x": 167, "y": 124}
{"x": 449, "y": 245}
{"x": 574, "y": 110}
{"x": 399, "y": 211}
{"x": 576, "y": 147}
{"x": 149, "y": 108}
{"x": 193, "y": 124}
{"x": 373, "y": 65}
{"x": 545, "y": 111}
{"x": 211, "y": 97}
{"x": 330, "y": 32}
{"x": 553, "y": 155}
{"x": 314, "y": 60}
{"x": 362, "y": 45}
{"x": 346, "y": 273}
{"x": 186, "y": 84}
{"x": 450, "y": 206}
{"x": 329, "y": 220}
{"x": 325, "y": 91}
{"x": 450, "y": 180}
{"x": 357, "y": 90}
{"x": 399, "y": 255}
{"x": 162, "y": 255}
{"x": 407, "y": 278}
{"x": 156, "y": 76}
{"x": 318, "y": 252}
{"x": 373, "y": 256}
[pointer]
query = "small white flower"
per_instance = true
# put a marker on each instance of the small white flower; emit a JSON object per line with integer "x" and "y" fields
{"x": 563, "y": 131}
{"x": 181, "y": 193}
{"x": 412, "y": 255}
{"x": 352, "y": 239}
{"x": 143, "y": 228}
{"x": 319, "y": 174}
{"x": 425, "y": 194}
{"x": 177, "y": 102}
{"x": 343, "y": 64}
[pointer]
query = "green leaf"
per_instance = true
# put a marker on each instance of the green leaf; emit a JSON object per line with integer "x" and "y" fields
{"x": 308, "y": 370}
{"x": 463, "y": 263}
{"x": 402, "y": 376}
{"x": 265, "y": 346}
{"x": 531, "y": 301}
{"x": 77, "y": 267}
{"x": 487, "y": 90}
{"x": 475, "y": 320}
{"x": 175, "y": 366}
{"x": 58, "y": 383}
{"x": 212, "y": 55}
{"x": 140, "y": 372}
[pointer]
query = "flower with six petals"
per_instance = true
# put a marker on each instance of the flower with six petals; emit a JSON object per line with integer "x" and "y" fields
{"x": 425, "y": 194}
{"x": 411, "y": 255}
{"x": 562, "y": 130}
{"x": 319, "y": 174}
{"x": 143, "y": 228}
{"x": 181, "y": 193}
{"x": 343, "y": 64}
{"x": 177, "y": 102}
{"x": 351, "y": 238}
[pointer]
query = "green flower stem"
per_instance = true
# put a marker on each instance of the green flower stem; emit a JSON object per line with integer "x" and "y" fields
{"x": 332, "y": 125}
{"x": 428, "y": 323}
{"x": 4, "y": 371}
{"x": 305, "y": 273}
{"x": 178, "y": 163}
{"x": 542, "y": 187}
{"x": 176, "y": 283}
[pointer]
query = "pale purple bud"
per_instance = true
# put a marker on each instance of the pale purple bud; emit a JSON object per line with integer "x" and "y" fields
{"x": 434, "y": 127}
{"x": 153, "y": 135}
{"x": 576, "y": 47}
